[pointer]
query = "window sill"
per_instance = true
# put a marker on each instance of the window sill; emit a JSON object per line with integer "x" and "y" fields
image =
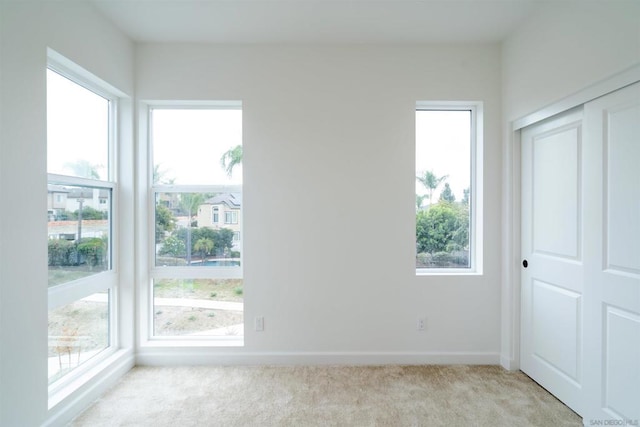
{"x": 447, "y": 272}
{"x": 58, "y": 394}
{"x": 190, "y": 342}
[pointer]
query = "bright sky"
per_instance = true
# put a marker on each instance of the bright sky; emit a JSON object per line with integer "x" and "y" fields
{"x": 188, "y": 144}
{"x": 77, "y": 127}
{"x": 443, "y": 144}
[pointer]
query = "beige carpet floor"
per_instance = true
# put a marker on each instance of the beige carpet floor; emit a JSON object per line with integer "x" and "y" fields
{"x": 327, "y": 396}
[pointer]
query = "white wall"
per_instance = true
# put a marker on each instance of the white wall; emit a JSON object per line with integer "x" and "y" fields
{"x": 329, "y": 201}
{"x": 562, "y": 48}
{"x": 26, "y": 30}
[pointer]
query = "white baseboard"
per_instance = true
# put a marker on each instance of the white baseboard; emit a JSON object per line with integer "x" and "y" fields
{"x": 77, "y": 401}
{"x": 173, "y": 357}
{"x": 509, "y": 364}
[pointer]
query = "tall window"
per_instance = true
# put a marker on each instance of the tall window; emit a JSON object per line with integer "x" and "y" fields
{"x": 446, "y": 188}
{"x": 196, "y": 268}
{"x": 81, "y": 196}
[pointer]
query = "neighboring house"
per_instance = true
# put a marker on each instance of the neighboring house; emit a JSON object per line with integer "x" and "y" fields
{"x": 61, "y": 199}
{"x": 56, "y": 200}
{"x": 95, "y": 198}
{"x": 223, "y": 211}
{"x": 169, "y": 200}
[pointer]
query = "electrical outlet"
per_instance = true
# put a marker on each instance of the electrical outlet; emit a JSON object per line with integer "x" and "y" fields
{"x": 259, "y": 324}
{"x": 422, "y": 323}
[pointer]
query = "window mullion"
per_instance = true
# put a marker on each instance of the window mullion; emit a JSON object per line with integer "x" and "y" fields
{"x": 81, "y": 288}
{"x": 79, "y": 182}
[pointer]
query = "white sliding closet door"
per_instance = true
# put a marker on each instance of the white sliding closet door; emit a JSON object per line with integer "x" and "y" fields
{"x": 552, "y": 250}
{"x": 580, "y": 307}
{"x": 612, "y": 296}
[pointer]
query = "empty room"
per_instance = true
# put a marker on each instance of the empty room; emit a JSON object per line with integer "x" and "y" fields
{"x": 310, "y": 212}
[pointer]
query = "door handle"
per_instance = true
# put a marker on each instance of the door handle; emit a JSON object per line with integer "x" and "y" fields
{"x": 525, "y": 263}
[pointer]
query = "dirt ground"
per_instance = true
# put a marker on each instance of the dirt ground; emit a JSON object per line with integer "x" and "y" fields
{"x": 84, "y": 324}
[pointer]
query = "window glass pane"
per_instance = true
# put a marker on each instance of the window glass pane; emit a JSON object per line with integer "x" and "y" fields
{"x": 77, "y": 129}
{"x": 189, "y": 232}
{"x": 443, "y": 188}
{"x": 198, "y": 307}
{"x": 77, "y": 332}
{"x": 79, "y": 229}
{"x": 197, "y": 146}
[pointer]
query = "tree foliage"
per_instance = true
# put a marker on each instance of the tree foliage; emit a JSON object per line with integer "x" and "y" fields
{"x": 465, "y": 196}
{"x": 189, "y": 203}
{"x": 160, "y": 176}
{"x": 204, "y": 246}
{"x": 173, "y": 246}
{"x": 222, "y": 239}
{"x": 84, "y": 169}
{"x": 89, "y": 213}
{"x": 420, "y": 200}
{"x": 444, "y": 227}
{"x": 431, "y": 182}
{"x": 165, "y": 222}
{"x": 231, "y": 158}
{"x": 447, "y": 195}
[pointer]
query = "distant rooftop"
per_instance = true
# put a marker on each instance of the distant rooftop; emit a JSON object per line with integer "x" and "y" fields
{"x": 233, "y": 200}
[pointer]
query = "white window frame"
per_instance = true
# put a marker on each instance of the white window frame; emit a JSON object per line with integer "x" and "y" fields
{"x": 476, "y": 186}
{"x": 215, "y": 214}
{"x": 75, "y": 290}
{"x": 233, "y": 215}
{"x": 147, "y": 338}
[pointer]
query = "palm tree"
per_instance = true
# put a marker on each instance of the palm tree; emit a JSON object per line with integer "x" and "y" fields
{"x": 231, "y": 158}
{"x": 189, "y": 203}
{"x": 84, "y": 169}
{"x": 204, "y": 246}
{"x": 431, "y": 182}
{"x": 160, "y": 176}
{"x": 419, "y": 200}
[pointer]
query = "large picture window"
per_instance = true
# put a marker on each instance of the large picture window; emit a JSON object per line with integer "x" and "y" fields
{"x": 80, "y": 206}
{"x": 446, "y": 188}
{"x": 196, "y": 195}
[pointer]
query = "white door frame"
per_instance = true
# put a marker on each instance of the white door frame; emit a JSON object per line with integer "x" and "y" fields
{"x": 510, "y": 290}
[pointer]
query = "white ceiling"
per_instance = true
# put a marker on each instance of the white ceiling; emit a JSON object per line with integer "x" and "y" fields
{"x": 316, "y": 21}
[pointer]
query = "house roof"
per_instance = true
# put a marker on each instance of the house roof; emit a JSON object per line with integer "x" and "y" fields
{"x": 233, "y": 200}
{"x": 53, "y": 188}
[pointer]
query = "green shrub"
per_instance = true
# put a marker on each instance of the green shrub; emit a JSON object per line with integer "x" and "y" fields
{"x": 93, "y": 251}
{"x": 62, "y": 252}
{"x": 173, "y": 246}
{"x": 441, "y": 259}
{"x": 423, "y": 259}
